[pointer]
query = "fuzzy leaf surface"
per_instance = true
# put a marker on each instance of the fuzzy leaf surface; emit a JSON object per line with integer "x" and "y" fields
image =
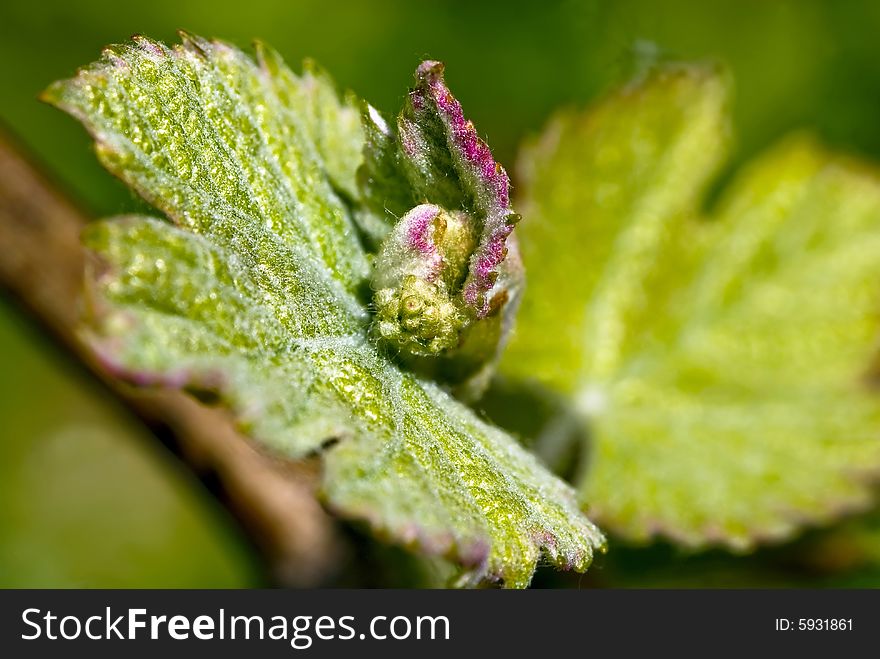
{"x": 251, "y": 290}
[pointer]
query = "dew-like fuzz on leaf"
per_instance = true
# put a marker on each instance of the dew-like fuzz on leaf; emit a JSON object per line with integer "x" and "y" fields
{"x": 250, "y": 288}
{"x": 720, "y": 365}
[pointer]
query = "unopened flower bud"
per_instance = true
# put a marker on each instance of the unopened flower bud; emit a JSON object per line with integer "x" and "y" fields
{"x": 447, "y": 277}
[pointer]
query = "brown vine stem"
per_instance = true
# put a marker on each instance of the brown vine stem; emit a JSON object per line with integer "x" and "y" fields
{"x": 41, "y": 266}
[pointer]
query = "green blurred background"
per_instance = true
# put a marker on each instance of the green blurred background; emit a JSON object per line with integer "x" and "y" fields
{"x": 86, "y": 499}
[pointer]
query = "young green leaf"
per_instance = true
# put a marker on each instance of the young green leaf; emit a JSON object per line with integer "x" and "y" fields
{"x": 718, "y": 364}
{"x": 251, "y": 294}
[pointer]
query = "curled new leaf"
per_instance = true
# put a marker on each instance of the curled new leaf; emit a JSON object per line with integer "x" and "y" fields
{"x": 444, "y": 153}
{"x": 449, "y": 276}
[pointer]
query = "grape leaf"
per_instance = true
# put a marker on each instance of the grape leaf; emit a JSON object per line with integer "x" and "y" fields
{"x": 718, "y": 363}
{"x": 252, "y": 293}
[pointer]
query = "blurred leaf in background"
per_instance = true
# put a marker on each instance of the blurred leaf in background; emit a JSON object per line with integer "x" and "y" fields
{"x": 718, "y": 363}
{"x": 796, "y": 64}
